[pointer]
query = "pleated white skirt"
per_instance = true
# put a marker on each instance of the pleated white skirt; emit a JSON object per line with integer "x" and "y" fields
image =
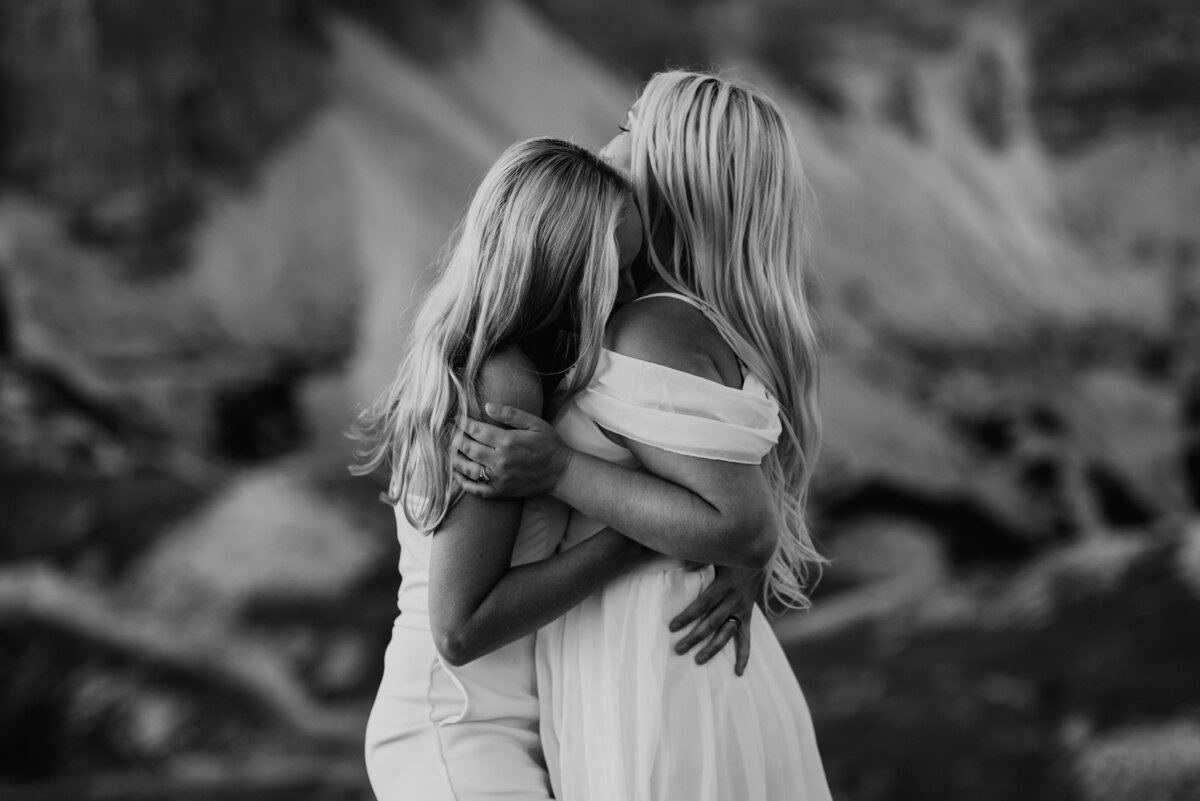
{"x": 624, "y": 717}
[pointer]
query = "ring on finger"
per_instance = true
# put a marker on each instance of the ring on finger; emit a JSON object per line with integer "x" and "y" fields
{"x": 483, "y": 477}
{"x": 737, "y": 621}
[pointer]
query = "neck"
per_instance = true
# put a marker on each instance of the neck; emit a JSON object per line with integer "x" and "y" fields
{"x": 656, "y": 284}
{"x": 550, "y": 350}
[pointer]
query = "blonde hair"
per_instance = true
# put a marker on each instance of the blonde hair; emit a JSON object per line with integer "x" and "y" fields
{"x": 721, "y": 188}
{"x": 537, "y": 246}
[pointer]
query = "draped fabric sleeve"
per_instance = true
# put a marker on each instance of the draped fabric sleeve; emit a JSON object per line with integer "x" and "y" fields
{"x": 680, "y": 412}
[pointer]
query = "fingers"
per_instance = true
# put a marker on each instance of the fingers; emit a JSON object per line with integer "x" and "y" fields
{"x": 513, "y": 417}
{"x": 701, "y": 631}
{"x": 465, "y": 467}
{"x": 741, "y": 648}
{"x": 467, "y": 473}
{"x": 484, "y": 433}
{"x": 482, "y": 454}
{"x": 694, "y": 610}
{"x": 476, "y": 488}
{"x": 725, "y": 632}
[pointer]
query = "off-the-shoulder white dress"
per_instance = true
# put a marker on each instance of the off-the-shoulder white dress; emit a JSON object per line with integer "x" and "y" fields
{"x": 444, "y": 733}
{"x": 623, "y": 716}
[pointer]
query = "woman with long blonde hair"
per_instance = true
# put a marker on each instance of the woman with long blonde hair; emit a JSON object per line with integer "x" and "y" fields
{"x": 517, "y": 314}
{"x": 522, "y": 295}
{"x": 708, "y": 380}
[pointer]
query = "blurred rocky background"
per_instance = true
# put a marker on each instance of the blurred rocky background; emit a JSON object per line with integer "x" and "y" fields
{"x": 215, "y": 216}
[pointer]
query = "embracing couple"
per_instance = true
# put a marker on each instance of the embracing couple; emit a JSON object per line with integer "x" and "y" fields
{"x": 545, "y": 565}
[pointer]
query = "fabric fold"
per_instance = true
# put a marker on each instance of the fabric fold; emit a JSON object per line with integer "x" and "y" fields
{"x": 680, "y": 412}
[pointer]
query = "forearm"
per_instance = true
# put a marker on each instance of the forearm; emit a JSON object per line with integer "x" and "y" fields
{"x": 664, "y": 516}
{"x": 529, "y": 596}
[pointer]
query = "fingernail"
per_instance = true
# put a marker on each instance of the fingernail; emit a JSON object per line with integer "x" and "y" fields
{"x": 490, "y": 408}
{"x": 674, "y": 626}
{"x": 679, "y": 649}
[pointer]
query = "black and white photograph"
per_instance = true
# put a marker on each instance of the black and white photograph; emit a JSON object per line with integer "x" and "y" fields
{"x": 659, "y": 400}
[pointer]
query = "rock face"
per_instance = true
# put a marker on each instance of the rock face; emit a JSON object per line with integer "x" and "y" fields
{"x": 216, "y": 219}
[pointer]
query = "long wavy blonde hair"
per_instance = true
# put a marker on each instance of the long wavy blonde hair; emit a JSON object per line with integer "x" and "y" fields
{"x": 535, "y": 252}
{"x": 726, "y": 208}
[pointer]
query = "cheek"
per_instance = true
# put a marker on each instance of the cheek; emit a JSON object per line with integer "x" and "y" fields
{"x": 606, "y": 151}
{"x": 617, "y": 152}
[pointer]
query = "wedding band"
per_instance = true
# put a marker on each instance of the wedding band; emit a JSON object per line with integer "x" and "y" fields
{"x": 737, "y": 621}
{"x": 483, "y": 476}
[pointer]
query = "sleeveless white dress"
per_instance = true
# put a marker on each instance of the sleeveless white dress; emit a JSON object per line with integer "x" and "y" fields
{"x": 442, "y": 733}
{"x": 623, "y": 716}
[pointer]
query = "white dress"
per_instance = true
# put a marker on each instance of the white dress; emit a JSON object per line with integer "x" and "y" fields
{"x": 444, "y": 733}
{"x": 623, "y": 716}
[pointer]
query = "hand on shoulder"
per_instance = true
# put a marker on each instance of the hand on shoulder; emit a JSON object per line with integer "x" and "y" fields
{"x": 512, "y": 452}
{"x": 509, "y": 378}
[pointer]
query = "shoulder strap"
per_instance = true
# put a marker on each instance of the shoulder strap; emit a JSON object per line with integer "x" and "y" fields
{"x": 677, "y": 295}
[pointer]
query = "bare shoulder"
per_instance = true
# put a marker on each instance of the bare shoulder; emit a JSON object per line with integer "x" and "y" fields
{"x": 510, "y": 377}
{"x": 674, "y": 334}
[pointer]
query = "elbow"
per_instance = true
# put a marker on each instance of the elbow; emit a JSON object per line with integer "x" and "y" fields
{"x": 754, "y": 554}
{"x": 762, "y": 550}
{"x": 455, "y": 649}
{"x": 751, "y": 543}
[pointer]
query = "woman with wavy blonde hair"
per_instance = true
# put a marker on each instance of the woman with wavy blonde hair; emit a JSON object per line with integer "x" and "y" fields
{"x": 516, "y": 316}
{"x": 522, "y": 297}
{"x": 708, "y": 380}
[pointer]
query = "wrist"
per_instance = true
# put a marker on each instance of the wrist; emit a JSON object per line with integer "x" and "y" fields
{"x": 565, "y": 461}
{"x": 621, "y": 549}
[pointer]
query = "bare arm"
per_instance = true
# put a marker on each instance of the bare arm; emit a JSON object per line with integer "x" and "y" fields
{"x": 690, "y": 508}
{"x": 479, "y": 603}
{"x": 687, "y": 507}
